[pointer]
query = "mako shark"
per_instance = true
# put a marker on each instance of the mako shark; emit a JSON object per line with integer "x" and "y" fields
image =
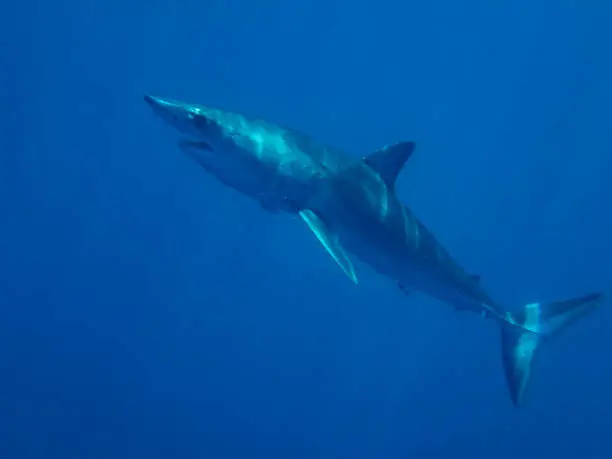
{"x": 351, "y": 207}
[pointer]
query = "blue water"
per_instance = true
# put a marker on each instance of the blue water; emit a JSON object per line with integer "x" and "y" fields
{"x": 147, "y": 311}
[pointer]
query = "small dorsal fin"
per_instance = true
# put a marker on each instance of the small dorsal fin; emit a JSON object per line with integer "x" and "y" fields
{"x": 475, "y": 277}
{"x": 389, "y": 161}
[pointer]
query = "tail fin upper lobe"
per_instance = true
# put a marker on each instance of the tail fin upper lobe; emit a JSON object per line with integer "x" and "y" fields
{"x": 532, "y": 325}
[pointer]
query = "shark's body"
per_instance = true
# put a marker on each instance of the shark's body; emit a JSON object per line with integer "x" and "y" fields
{"x": 351, "y": 207}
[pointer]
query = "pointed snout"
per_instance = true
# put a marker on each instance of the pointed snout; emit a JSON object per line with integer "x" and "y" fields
{"x": 185, "y": 118}
{"x": 176, "y": 114}
{"x": 152, "y": 100}
{"x": 163, "y": 106}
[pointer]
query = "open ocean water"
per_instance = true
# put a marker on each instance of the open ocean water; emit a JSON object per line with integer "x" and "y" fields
{"x": 147, "y": 311}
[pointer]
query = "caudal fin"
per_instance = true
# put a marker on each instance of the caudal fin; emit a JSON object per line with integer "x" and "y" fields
{"x": 532, "y": 325}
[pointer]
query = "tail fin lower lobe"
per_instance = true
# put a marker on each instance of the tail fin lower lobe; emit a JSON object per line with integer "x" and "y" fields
{"x": 532, "y": 325}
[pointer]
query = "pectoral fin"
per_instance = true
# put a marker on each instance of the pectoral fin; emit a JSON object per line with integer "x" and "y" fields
{"x": 329, "y": 241}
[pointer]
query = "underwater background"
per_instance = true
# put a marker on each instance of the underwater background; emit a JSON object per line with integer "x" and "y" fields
{"x": 148, "y": 311}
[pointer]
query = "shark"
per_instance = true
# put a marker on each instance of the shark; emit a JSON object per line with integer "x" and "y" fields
{"x": 350, "y": 205}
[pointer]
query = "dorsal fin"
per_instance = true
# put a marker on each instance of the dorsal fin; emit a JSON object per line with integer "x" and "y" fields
{"x": 475, "y": 277}
{"x": 389, "y": 161}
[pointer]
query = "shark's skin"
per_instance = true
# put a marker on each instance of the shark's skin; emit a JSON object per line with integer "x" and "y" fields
{"x": 278, "y": 167}
{"x": 351, "y": 206}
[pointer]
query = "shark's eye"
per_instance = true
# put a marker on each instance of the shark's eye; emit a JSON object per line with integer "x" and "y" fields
{"x": 198, "y": 121}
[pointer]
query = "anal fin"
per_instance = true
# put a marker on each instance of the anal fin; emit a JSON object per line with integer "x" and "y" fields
{"x": 329, "y": 241}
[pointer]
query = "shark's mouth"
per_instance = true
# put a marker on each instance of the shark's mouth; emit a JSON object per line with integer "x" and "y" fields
{"x": 188, "y": 144}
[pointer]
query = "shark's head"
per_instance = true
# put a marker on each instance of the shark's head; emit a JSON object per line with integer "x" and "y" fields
{"x": 193, "y": 120}
{"x": 211, "y": 137}
{"x": 255, "y": 157}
